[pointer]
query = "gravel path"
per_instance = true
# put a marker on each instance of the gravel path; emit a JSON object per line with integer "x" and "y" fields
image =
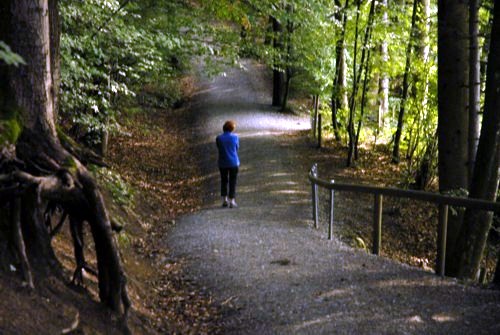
{"x": 272, "y": 271}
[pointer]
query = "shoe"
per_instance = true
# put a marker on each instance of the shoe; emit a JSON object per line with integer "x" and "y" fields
{"x": 224, "y": 202}
{"x": 232, "y": 203}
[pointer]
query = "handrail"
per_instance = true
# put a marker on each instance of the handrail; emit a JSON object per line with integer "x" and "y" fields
{"x": 412, "y": 194}
{"x": 444, "y": 202}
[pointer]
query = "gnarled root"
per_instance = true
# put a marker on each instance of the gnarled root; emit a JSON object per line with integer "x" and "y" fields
{"x": 15, "y": 206}
{"x": 75, "y": 193}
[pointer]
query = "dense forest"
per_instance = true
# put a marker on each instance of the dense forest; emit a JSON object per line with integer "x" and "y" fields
{"x": 420, "y": 78}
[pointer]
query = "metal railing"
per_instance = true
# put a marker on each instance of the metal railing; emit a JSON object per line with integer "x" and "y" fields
{"x": 444, "y": 201}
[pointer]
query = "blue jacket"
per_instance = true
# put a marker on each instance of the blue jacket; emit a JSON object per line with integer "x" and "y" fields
{"x": 228, "y": 145}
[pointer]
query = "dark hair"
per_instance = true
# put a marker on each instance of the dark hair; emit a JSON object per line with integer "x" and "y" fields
{"x": 229, "y": 126}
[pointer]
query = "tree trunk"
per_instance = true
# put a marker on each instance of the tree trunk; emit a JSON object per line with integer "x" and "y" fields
{"x": 357, "y": 78}
{"x": 339, "y": 85}
{"x": 352, "y": 100}
{"x": 363, "y": 103}
{"x": 485, "y": 50}
{"x": 55, "y": 51}
{"x": 286, "y": 91}
{"x": 288, "y": 58}
{"x": 476, "y": 226}
{"x": 383, "y": 108}
{"x": 474, "y": 84}
{"x": 425, "y": 170}
{"x": 51, "y": 174}
{"x": 278, "y": 72}
{"x": 404, "y": 96}
{"x": 453, "y": 126}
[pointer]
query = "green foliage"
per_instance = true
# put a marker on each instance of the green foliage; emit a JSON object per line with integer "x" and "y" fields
{"x": 161, "y": 95}
{"x": 8, "y": 56}
{"x": 124, "y": 239}
{"x": 110, "y": 52}
{"x": 121, "y": 191}
{"x": 305, "y": 48}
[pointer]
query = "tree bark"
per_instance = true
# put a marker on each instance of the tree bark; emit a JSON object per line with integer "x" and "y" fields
{"x": 452, "y": 106}
{"x": 485, "y": 49}
{"x": 384, "y": 80}
{"x": 363, "y": 103}
{"x": 474, "y": 85}
{"x": 426, "y": 169}
{"x": 278, "y": 72}
{"x": 288, "y": 59}
{"x": 51, "y": 174}
{"x": 473, "y": 235}
{"x": 339, "y": 96}
{"x": 55, "y": 51}
{"x": 357, "y": 78}
{"x": 404, "y": 96}
{"x": 352, "y": 100}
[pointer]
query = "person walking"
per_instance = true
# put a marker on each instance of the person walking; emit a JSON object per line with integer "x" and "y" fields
{"x": 228, "y": 145}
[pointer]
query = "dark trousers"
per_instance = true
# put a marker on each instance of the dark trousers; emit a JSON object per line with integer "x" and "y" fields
{"x": 228, "y": 176}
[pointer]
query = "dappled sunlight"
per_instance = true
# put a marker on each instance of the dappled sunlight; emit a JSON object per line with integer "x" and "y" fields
{"x": 300, "y": 202}
{"x": 444, "y": 318}
{"x": 281, "y": 174}
{"x": 417, "y": 282}
{"x": 309, "y": 323}
{"x": 248, "y": 189}
{"x": 339, "y": 317}
{"x": 271, "y": 122}
{"x": 334, "y": 293}
{"x": 415, "y": 319}
{"x": 289, "y": 192}
{"x": 249, "y": 134}
{"x": 289, "y": 183}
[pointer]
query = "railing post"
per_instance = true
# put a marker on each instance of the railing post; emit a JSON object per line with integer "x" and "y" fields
{"x": 330, "y": 226}
{"x": 441, "y": 240}
{"x": 377, "y": 223}
{"x": 314, "y": 172}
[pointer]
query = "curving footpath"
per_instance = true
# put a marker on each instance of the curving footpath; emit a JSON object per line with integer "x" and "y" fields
{"x": 265, "y": 263}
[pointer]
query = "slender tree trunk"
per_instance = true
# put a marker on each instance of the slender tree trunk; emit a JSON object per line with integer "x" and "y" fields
{"x": 402, "y": 108}
{"x": 486, "y": 32}
{"x": 286, "y": 90}
{"x": 363, "y": 103}
{"x": 384, "y": 80}
{"x": 453, "y": 78}
{"x": 339, "y": 89}
{"x": 474, "y": 84}
{"x": 425, "y": 170}
{"x": 278, "y": 72}
{"x": 424, "y": 173}
{"x": 476, "y": 226}
{"x": 315, "y": 115}
{"x": 357, "y": 78}
{"x": 352, "y": 100}
{"x": 288, "y": 58}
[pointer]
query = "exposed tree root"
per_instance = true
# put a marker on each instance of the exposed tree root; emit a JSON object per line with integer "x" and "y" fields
{"x": 70, "y": 191}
